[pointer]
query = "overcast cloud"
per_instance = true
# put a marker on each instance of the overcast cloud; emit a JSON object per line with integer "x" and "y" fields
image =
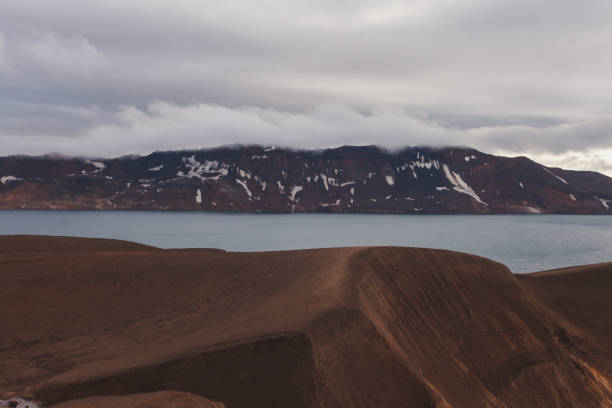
{"x": 111, "y": 77}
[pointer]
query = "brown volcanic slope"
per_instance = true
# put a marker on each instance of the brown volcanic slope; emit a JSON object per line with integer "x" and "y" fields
{"x": 161, "y": 399}
{"x": 583, "y": 296}
{"x": 346, "y": 327}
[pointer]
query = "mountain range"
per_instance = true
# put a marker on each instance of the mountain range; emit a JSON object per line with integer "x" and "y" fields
{"x": 358, "y": 179}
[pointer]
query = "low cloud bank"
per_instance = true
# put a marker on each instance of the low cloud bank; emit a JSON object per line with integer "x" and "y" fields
{"x": 167, "y": 126}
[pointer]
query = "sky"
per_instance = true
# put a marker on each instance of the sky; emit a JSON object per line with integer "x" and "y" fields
{"x": 105, "y": 78}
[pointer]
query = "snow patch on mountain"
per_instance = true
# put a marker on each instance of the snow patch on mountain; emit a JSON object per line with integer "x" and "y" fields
{"x": 244, "y": 173}
{"x": 294, "y": 191}
{"x": 262, "y": 183}
{"x": 195, "y": 169}
{"x": 8, "y": 179}
{"x": 554, "y": 175}
{"x": 246, "y": 188}
{"x": 324, "y": 178}
{"x": 460, "y": 185}
{"x": 424, "y": 163}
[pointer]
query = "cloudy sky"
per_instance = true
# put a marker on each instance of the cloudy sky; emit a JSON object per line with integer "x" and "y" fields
{"x": 115, "y": 77}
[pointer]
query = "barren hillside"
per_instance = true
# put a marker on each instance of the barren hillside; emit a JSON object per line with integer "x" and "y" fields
{"x": 346, "y": 327}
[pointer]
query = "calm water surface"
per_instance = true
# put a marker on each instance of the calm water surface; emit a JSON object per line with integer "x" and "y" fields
{"x": 525, "y": 243}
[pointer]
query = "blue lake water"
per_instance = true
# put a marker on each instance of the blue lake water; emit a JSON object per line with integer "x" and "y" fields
{"x": 525, "y": 243}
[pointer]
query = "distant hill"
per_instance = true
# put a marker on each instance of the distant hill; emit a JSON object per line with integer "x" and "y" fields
{"x": 364, "y": 179}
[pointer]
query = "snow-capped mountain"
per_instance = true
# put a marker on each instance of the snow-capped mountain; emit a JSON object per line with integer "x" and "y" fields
{"x": 346, "y": 179}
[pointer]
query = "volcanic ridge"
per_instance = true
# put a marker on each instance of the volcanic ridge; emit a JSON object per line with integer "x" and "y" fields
{"x": 94, "y": 323}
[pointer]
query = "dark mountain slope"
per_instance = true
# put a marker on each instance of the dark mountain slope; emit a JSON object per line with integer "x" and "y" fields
{"x": 346, "y": 179}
